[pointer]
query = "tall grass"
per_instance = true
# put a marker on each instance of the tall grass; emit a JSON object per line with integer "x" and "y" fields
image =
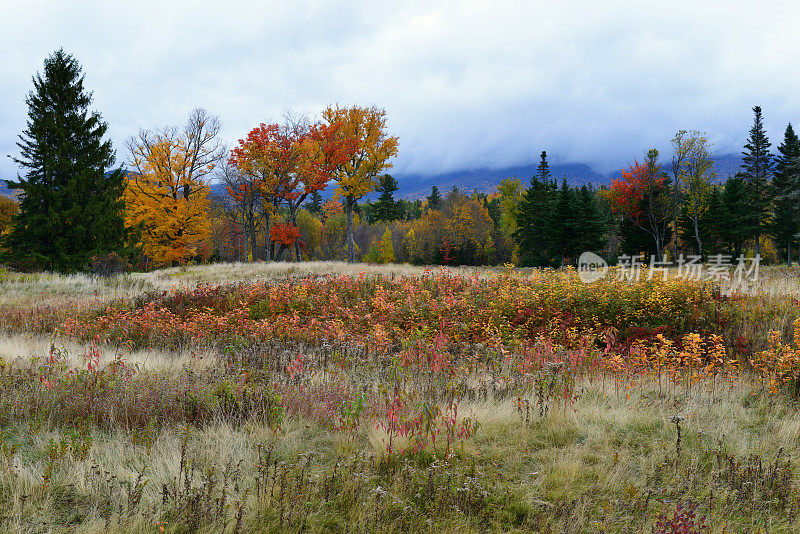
{"x": 293, "y": 398}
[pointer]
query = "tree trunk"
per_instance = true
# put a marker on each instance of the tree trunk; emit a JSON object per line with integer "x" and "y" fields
{"x": 297, "y": 242}
{"x": 697, "y": 238}
{"x": 351, "y": 249}
{"x": 267, "y": 249}
{"x": 659, "y": 254}
{"x": 675, "y": 221}
{"x": 253, "y": 238}
{"x": 758, "y": 243}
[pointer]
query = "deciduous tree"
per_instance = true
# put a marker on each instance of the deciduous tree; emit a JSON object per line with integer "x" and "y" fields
{"x": 269, "y": 156}
{"x": 374, "y": 148}
{"x": 693, "y": 169}
{"x": 167, "y": 194}
{"x": 642, "y": 196}
{"x": 8, "y": 208}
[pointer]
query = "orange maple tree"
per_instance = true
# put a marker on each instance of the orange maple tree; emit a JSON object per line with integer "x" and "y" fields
{"x": 166, "y": 198}
{"x": 270, "y": 156}
{"x": 640, "y": 195}
{"x": 287, "y": 163}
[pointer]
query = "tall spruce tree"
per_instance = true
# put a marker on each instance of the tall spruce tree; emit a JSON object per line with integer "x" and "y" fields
{"x": 385, "y": 208}
{"x": 715, "y": 222}
{"x": 590, "y": 228}
{"x": 735, "y": 214}
{"x": 534, "y": 218}
{"x": 71, "y": 208}
{"x": 756, "y": 170}
{"x": 786, "y": 193}
{"x": 314, "y": 204}
{"x": 543, "y": 170}
{"x": 435, "y": 199}
{"x": 564, "y": 225}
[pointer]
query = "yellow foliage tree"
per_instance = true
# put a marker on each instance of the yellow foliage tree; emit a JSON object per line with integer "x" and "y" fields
{"x": 166, "y": 197}
{"x": 359, "y": 175}
{"x": 458, "y": 234}
{"x": 311, "y": 228}
{"x": 8, "y": 208}
{"x": 382, "y": 251}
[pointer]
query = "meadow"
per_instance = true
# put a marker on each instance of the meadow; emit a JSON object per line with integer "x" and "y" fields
{"x": 329, "y": 397}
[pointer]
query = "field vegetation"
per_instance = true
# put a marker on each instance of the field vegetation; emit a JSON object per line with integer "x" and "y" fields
{"x": 352, "y": 398}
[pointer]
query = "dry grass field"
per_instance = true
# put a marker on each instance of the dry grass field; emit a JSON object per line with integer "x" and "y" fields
{"x": 328, "y": 397}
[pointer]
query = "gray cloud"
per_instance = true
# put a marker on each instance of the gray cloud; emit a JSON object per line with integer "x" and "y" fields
{"x": 465, "y": 84}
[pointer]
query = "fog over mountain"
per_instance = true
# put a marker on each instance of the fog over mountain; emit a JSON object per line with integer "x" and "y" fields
{"x": 415, "y": 186}
{"x": 486, "y": 180}
{"x": 466, "y": 85}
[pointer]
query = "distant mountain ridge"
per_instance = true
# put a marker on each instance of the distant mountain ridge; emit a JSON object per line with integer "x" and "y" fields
{"x": 486, "y": 180}
{"x": 4, "y": 190}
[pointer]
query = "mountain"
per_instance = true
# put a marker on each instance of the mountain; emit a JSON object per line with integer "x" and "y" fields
{"x": 414, "y": 186}
{"x": 486, "y": 180}
{"x": 4, "y": 190}
{"x": 727, "y": 165}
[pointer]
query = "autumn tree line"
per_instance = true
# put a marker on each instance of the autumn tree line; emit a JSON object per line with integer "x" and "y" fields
{"x": 320, "y": 189}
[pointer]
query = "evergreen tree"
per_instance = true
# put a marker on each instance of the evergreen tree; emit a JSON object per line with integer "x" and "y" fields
{"x": 716, "y": 222}
{"x": 385, "y": 208}
{"x": 564, "y": 225}
{"x": 409, "y": 209}
{"x": 435, "y": 199}
{"x": 365, "y": 211}
{"x": 314, "y": 204}
{"x": 543, "y": 170}
{"x": 735, "y": 214}
{"x": 756, "y": 169}
{"x": 535, "y": 216}
{"x": 689, "y": 233}
{"x": 414, "y": 210}
{"x": 590, "y": 231}
{"x": 786, "y": 192}
{"x": 635, "y": 240}
{"x": 71, "y": 208}
{"x": 493, "y": 208}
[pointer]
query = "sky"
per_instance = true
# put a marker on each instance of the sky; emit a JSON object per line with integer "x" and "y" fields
{"x": 473, "y": 84}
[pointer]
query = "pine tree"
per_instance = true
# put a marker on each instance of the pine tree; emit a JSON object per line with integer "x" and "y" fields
{"x": 543, "y": 170}
{"x": 534, "y": 217}
{"x": 590, "y": 230}
{"x": 756, "y": 169}
{"x": 786, "y": 192}
{"x": 736, "y": 217}
{"x": 71, "y": 208}
{"x": 385, "y": 208}
{"x": 716, "y": 222}
{"x": 435, "y": 199}
{"x": 314, "y": 204}
{"x": 564, "y": 225}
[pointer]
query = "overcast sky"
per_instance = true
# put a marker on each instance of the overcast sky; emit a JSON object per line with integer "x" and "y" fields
{"x": 465, "y": 84}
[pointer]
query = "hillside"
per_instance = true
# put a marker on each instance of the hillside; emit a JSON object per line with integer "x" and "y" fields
{"x": 4, "y": 190}
{"x": 487, "y": 180}
{"x": 413, "y": 186}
